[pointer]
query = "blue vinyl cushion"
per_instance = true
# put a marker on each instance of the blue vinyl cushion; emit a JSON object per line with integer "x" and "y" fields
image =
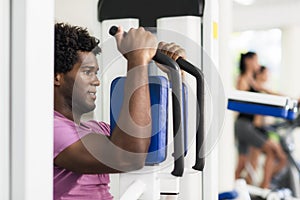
{"x": 158, "y": 86}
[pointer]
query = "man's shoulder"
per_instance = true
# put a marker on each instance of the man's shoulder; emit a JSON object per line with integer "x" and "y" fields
{"x": 99, "y": 126}
{"x": 61, "y": 120}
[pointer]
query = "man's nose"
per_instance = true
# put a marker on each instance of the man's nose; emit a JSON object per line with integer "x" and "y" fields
{"x": 96, "y": 81}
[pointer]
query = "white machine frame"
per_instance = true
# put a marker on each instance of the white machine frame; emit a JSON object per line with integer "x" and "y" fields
{"x": 26, "y": 87}
{"x": 149, "y": 186}
{"x": 4, "y": 100}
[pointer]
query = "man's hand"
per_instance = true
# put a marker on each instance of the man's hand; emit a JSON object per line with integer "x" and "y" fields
{"x": 138, "y": 45}
{"x": 172, "y": 50}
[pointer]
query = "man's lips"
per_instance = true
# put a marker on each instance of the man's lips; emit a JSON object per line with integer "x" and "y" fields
{"x": 92, "y": 94}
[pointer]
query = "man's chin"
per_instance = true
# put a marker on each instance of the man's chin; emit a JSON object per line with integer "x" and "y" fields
{"x": 90, "y": 108}
{"x": 86, "y": 109}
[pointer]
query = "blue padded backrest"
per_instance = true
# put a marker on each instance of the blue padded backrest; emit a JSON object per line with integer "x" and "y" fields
{"x": 158, "y": 86}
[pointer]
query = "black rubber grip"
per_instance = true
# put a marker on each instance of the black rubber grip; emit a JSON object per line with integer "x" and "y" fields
{"x": 178, "y": 135}
{"x": 200, "y": 133}
{"x": 113, "y": 30}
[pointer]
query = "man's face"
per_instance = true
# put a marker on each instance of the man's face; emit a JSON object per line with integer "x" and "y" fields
{"x": 81, "y": 82}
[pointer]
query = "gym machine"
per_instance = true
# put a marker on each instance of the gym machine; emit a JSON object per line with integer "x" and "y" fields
{"x": 175, "y": 21}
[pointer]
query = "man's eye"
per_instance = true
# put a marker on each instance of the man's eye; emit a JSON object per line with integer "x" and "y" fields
{"x": 87, "y": 72}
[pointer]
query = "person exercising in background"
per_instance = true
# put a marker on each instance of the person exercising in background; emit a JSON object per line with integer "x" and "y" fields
{"x": 261, "y": 77}
{"x": 246, "y": 133}
{"x": 84, "y": 152}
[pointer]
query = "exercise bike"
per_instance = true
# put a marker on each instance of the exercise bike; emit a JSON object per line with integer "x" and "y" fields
{"x": 287, "y": 183}
{"x": 289, "y": 177}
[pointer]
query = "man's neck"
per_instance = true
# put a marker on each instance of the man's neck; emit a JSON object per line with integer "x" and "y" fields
{"x": 71, "y": 115}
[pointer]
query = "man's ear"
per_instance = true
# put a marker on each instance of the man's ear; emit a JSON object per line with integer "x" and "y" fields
{"x": 58, "y": 79}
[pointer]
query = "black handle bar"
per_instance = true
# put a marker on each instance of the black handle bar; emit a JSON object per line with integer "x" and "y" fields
{"x": 178, "y": 135}
{"x": 198, "y": 74}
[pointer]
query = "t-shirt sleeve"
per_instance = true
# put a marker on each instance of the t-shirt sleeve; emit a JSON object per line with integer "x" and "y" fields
{"x": 64, "y": 136}
{"x": 105, "y": 128}
{"x": 99, "y": 127}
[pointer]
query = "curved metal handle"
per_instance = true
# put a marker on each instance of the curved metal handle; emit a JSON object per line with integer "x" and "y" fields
{"x": 200, "y": 135}
{"x": 175, "y": 75}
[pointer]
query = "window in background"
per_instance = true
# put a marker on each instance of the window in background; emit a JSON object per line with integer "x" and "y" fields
{"x": 267, "y": 45}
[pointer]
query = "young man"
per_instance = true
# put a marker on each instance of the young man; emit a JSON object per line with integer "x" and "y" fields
{"x": 84, "y": 153}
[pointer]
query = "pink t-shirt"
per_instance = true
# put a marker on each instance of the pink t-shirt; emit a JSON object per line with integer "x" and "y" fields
{"x": 68, "y": 185}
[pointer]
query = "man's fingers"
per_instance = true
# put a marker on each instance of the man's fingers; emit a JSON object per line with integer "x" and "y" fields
{"x": 161, "y": 44}
{"x": 180, "y": 53}
{"x": 172, "y": 50}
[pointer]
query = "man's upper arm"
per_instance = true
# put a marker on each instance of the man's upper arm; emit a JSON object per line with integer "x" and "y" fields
{"x": 76, "y": 149}
{"x": 84, "y": 156}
